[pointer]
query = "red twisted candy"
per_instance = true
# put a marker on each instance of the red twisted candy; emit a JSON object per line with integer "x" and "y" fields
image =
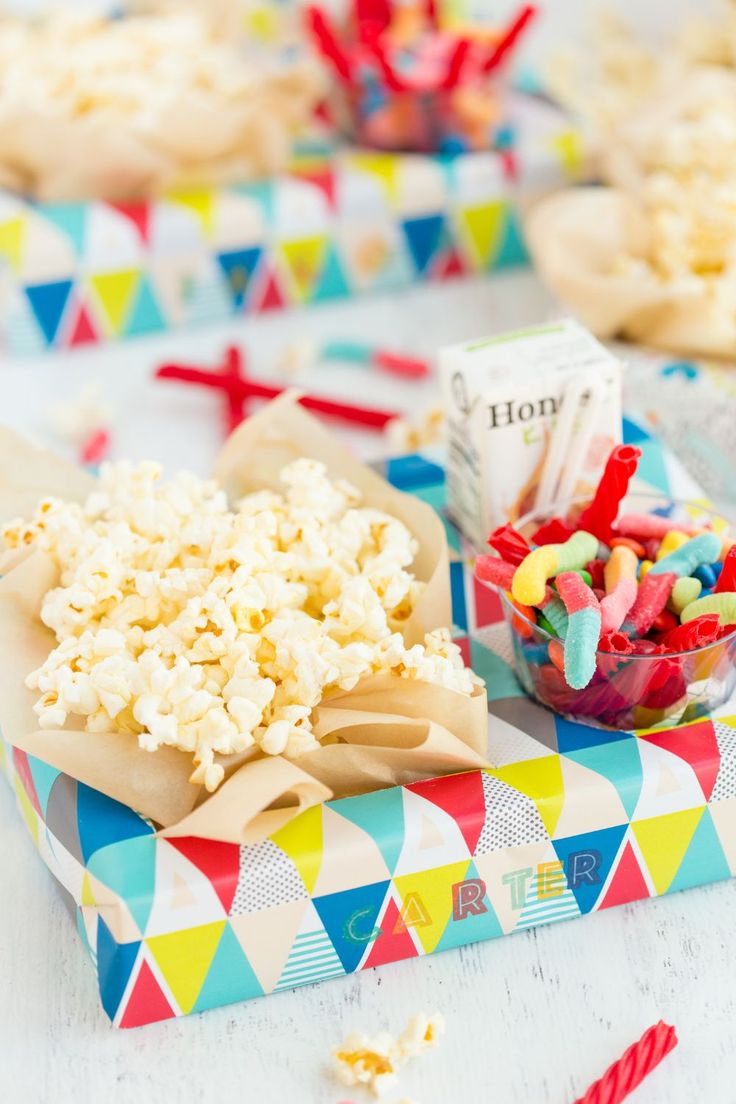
{"x": 693, "y": 634}
{"x": 654, "y": 592}
{"x": 616, "y": 642}
{"x": 726, "y": 581}
{"x": 629, "y": 1071}
{"x": 599, "y": 516}
{"x": 509, "y": 544}
{"x": 554, "y": 531}
{"x": 665, "y": 622}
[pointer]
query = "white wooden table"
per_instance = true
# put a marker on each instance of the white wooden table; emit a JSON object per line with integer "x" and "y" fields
{"x": 532, "y": 1019}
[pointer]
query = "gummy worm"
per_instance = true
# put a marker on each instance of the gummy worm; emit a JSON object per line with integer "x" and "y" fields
{"x": 702, "y": 549}
{"x": 583, "y": 629}
{"x": 545, "y": 562}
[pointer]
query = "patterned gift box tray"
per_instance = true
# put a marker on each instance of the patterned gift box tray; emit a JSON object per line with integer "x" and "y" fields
{"x": 339, "y": 223}
{"x": 569, "y": 820}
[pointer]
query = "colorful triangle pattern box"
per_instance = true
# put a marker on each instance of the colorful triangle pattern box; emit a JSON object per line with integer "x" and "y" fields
{"x": 340, "y": 222}
{"x": 568, "y": 820}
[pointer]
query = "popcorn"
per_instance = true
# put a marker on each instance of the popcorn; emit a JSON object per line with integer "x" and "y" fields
{"x": 374, "y": 1062}
{"x": 126, "y": 108}
{"x": 213, "y": 630}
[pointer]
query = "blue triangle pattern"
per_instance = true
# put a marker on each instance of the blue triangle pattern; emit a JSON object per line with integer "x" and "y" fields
{"x": 332, "y": 282}
{"x": 588, "y": 860}
{"x": 70, "y": 218}
{"x": 423, "y": 236}
{"x": 350, "y": 918}
{"x": 620, "y": 763}
{"x": 513, "y": 249}
{"x": 704, "y": 859}
{"x": 103, "y": 821}
{"x": 114, "y": 964}
{"x": 129, "y": 869}
{"x": 473, "y": 927}
{"x": 381, "y": 816}
{"x": 145, "y": 317}
{"x": 230, "y": 977}
{"x": 238, "y": 266}
{"x": 48, "y": 302}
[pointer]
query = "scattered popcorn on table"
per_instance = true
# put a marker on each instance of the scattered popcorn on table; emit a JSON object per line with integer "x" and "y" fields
{"x": 211, "y": 630}
{"x": 405, "y": 435}
{"x": 373, "y": 1062}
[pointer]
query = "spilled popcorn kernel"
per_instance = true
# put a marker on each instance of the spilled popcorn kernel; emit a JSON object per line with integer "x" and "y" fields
{"x": 189, "y": 624}
{"x": 374, "y": 1062}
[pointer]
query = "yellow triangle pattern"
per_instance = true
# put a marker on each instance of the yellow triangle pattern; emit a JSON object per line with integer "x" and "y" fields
{"x": 201, "y": 202}
{"x": 114, "y": 291}
{"x": 541, "y": 780}
{"x": 482, "y": 227}
{"x": 663, "y": 841}
{"x": 88, "y": 897}
{"x": 384, "y": 166}
{"x": 568, "y": 148}
{"x": 29, "y": 813}
{"x": 184, "y": 957}
{"x": 305, "y": 259}
{"x": 301, "y": 839}
{"x": 433, "y": 888}
{"x": 12, "y": 238}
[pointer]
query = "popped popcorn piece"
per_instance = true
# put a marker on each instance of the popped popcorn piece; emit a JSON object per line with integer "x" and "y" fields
{"x": 407, "y": 435}
{"x": 375, "y": 1061}
{"x": 192, "y": 625}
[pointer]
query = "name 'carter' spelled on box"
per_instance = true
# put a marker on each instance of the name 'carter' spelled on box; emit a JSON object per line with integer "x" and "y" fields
{"x": 503, "y": 396}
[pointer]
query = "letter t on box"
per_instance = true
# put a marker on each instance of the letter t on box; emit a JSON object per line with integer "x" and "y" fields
{"x": 502, "y": 397}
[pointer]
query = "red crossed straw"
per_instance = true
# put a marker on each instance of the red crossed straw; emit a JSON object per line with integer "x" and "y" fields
{"x": 239, "y": 388}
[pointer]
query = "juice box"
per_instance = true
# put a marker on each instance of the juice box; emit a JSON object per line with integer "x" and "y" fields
{"x": 503, "y": 397}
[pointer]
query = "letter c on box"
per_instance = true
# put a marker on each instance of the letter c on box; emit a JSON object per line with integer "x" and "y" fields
{"x": 349, "y": 932}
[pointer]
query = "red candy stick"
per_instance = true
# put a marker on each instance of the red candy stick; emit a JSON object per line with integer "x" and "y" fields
{"x": 693, "y": 634}
{"x": 239, "y": 387}
{"x": 726, "y": 581}
{"x": 629, "y": 1071}
{"x": 616, "y": 642}
{"x": 599, "y": 516}
{"x": 554, "y": 531}
{"x": 509, "y": 544}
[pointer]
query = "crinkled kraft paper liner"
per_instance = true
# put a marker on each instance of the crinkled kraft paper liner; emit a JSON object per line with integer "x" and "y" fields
{"x": 575, "y": 238}
{"x": 386, "y": 732}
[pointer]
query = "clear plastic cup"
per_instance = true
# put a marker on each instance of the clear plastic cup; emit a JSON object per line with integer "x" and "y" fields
{"x": 626, "y": 692}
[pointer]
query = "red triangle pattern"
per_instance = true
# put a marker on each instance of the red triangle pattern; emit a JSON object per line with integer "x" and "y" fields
{"x": 451, "y": 264}
{"x": 488, "y": 608}
{"x": 82, "y": 332}
{"x": 324, "y": 180}
{"x": 270, "y": 297}
{"x": 20, "y": 762}
{"x": 139, "y": 214}
{"x": 391, "y": 945}
{"x": 146, "y": 1004}
{"x": 627, "y": 883}
{"x": 461, "y": 797}
{"x": 219, "y": 862}
{"x": 697, "y": 745}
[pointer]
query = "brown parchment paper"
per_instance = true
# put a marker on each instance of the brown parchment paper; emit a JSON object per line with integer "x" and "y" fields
{"x": 575, "y": 238}
{"x": 385, "y": 732}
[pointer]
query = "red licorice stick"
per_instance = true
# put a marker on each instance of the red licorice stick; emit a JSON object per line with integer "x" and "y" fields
{"x": 250, "y": 388}
{"x": 398, "y": 365}
{"x": 509, "y": 544}
{"x": 95, "y": 448}
{"x": 693, "y": 634}
{"x": 654, "y": 592}
{"x": 329, "y": 45}
{"x": 509, "y": 37}
{"x": 629, "y": 1071}
{"x": 554, "y": 531}
{"x": 456, "y": 63}
{"x": 726, "y": 581}
{"x": 599, "y": 516}
{"x": 393, "y": 79}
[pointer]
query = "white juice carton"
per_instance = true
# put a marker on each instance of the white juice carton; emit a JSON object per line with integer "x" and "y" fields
{"x": 503, "y": 397}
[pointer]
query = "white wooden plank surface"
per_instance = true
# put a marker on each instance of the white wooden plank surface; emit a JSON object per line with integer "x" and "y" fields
{"x": 532, "y": 1019}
